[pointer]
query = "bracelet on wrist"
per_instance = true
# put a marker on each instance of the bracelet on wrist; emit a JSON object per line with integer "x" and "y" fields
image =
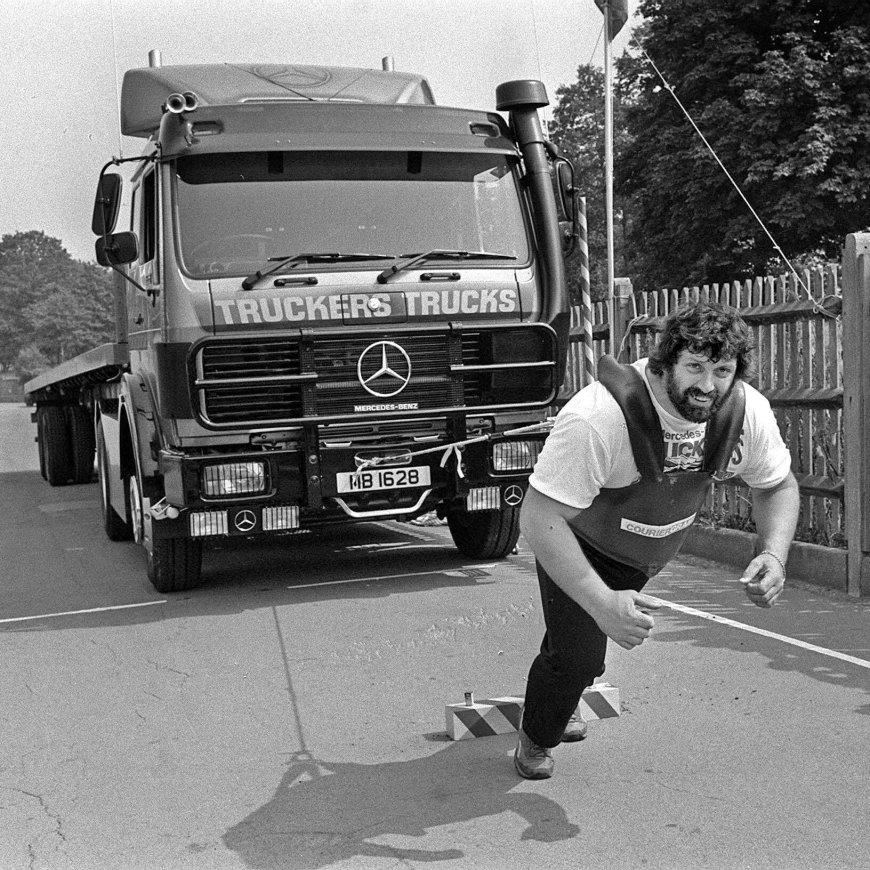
{"x": 781, "y": 563}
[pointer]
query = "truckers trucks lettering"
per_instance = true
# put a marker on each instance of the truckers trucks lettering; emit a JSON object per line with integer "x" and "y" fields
{"x": 413, "y": 303}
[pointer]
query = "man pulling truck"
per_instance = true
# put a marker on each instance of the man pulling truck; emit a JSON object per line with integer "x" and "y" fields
{"x": 615, "y": 490}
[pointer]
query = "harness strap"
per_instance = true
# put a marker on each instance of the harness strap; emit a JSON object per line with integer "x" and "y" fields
{"x": 626, "y": 384}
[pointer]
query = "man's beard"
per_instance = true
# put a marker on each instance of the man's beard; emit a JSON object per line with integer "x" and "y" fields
{"x": 693, "y": 413}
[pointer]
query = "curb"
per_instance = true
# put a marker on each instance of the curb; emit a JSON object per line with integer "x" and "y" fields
{"x": 810, "y": 563}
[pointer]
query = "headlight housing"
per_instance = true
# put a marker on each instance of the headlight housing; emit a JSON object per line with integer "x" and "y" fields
{"x": 227, "y": 479}
{"x": 515, "y": 455}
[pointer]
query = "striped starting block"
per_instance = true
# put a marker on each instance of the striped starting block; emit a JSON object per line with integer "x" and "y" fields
{"x": 491, "y": 716}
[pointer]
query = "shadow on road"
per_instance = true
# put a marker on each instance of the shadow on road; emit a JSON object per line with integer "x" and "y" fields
{"x": 347, "y": 563}
{"x": 323, "y": 813}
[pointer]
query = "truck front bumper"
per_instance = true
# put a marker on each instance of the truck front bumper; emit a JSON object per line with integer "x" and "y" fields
{"x": 263, "y": 492}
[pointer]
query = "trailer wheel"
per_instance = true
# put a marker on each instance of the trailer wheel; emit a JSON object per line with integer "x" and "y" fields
{"x": 54, "y": 444}
{"x": 82, "y": 444}
{"x": 116, "y": 527}
{"x": 174, "y": 564}
{"x": 40, "y": 446}
{"x": 485, "y": 534}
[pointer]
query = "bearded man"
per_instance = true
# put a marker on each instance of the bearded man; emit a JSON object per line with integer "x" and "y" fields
{"x": 617, "y": 486}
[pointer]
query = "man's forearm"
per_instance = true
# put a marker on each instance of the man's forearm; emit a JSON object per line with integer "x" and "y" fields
{"x": 776, "y": 512}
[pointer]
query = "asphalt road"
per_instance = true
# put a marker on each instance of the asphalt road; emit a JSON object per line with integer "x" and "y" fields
{"x": 290, "y": 713}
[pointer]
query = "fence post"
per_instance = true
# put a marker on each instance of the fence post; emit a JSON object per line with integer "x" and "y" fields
{"x": 623, "y": 313}
{"x": 856, "y": 407}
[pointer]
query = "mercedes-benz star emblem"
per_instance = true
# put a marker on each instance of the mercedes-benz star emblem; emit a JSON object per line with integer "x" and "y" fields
{"x": 384, "y": 369}
{"x": 245, "y": 520}
{"x": 513, "y": 495}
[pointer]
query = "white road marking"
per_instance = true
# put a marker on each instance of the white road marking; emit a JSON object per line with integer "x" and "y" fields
{"x": 80, "y": 612}
{"x": 691, "y": 611}
{"x": 461, "y": 571}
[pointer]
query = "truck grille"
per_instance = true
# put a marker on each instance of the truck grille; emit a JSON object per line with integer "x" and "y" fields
{"x": 283, "y": 379}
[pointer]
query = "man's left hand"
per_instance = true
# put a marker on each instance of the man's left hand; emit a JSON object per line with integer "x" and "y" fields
{"x": 763, "y": 580}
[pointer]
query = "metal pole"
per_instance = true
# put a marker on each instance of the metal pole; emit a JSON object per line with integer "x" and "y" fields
{"x": 608, "y": 171}
{"x": 586, "y": 299}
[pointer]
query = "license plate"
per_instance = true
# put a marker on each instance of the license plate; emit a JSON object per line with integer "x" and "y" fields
{"x": 383, "y": 478}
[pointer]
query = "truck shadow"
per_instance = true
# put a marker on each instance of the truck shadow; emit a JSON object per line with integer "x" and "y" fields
{"x": 326, "y": 812}
{"x": 365, "y": 561}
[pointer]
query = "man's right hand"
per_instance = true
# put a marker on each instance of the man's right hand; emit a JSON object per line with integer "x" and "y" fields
{"x": 624, "y": 617}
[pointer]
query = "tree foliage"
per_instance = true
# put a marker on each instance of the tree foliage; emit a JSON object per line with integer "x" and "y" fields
{"x": 578, "y": 130}
{"x": 51, "y": 306}
{"x": 779, "y": 89}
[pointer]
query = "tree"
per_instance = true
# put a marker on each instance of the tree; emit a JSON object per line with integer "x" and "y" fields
{"x": 578, "y": 130}
{"x": 778, "y": 88}
{"x": 51, "y": 306}
{"x": 22, "y": 257}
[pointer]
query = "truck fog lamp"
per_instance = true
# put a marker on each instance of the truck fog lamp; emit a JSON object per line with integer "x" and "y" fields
{"x": 233, "y": 478}
{"x": 282, "y": 517}
{"x": 204, "y": 523}
{"x": 483, "y": 498}
{"x": 515, "y": 455}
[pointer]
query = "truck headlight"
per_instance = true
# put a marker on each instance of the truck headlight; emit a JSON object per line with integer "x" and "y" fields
{"x": 515, "y": 455}
{"x": 233, "y": 478}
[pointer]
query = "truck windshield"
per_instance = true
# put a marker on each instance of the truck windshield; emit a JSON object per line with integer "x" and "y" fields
{"x": 237, "y": 210}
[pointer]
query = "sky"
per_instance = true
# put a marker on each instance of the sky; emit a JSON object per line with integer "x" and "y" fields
{"x": 62, "y": 62}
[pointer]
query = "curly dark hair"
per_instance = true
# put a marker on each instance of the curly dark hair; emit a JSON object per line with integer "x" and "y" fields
{"x": 708, "y": 328}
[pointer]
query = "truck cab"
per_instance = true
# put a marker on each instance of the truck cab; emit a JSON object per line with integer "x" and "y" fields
{"x": 337, "y": 302}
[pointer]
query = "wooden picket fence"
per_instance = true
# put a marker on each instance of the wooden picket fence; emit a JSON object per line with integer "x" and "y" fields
{"x": 811, "y": 360}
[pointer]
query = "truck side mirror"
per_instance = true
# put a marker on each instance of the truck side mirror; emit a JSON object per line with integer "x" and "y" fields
{"x": 569, "y": 200}
{"x": 115, "y": 249}
{"x": 565, "y": 185}
{"x": 106, "y": 203}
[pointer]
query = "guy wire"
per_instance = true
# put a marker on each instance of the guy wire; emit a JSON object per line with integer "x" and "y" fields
{"x": 115, "y": 70}
{"x": 817, "y": 307}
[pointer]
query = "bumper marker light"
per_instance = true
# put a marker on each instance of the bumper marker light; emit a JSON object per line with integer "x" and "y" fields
{"x": 203, "y": 523}
{"x": 483, "y": 498}
{"x": 284, "y": 517}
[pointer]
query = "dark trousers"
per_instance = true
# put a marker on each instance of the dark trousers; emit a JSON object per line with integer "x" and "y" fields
{"x": 572, "y": 652}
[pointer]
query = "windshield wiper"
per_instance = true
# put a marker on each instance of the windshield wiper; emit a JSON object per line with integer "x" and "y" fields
{"x": 409, "y": 260}
{"x": 329, "y": 257}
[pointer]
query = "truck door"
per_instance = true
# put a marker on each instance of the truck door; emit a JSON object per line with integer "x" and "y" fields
{"x": 144, "y": 308}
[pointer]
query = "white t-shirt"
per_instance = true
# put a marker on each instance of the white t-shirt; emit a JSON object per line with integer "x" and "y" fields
{"x": 589, "y": 447}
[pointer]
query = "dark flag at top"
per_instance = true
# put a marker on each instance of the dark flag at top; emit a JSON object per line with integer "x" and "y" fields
{"x": 618, "y": 14}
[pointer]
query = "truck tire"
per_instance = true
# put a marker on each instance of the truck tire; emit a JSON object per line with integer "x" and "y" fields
{"x": 485, "y": 534}
{"x": 117, "y": 528}
{"x": 174, "y": 564}
{"x": 82, "y": 444}
{"x": 55, "y": 444}
{"x": 40, "y": 447}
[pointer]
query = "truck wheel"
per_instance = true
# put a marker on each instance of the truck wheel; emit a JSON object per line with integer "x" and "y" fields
{"x": 54, "y": 444}
{"x": 116, "y": 527}
{"x": 485, "y": 534}
{"x": 82, "y": 444}
{"x": 174, "y": 564}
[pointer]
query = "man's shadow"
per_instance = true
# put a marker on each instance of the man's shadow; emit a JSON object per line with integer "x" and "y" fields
{"x": 325, "y": 812}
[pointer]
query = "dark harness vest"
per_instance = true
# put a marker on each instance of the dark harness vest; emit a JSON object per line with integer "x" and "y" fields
{"x": 644, "y": 524}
